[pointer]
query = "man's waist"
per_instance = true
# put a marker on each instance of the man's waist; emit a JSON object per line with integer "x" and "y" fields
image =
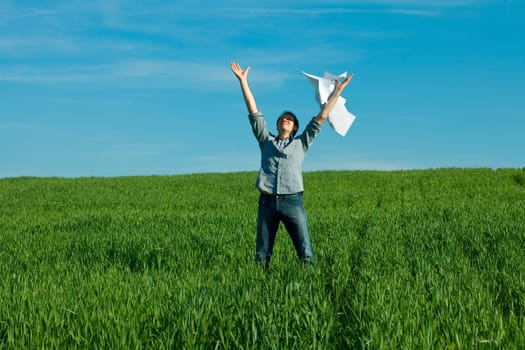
{"x": 278, "y": 195}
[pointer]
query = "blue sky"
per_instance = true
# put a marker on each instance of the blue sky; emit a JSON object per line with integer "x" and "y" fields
{"x": 115, "y": 88}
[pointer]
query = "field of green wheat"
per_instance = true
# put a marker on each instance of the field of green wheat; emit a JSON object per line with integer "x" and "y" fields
{"x": 421, "y": 259}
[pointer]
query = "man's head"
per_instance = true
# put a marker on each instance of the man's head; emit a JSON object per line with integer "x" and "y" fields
{"x": 287, "y": 123}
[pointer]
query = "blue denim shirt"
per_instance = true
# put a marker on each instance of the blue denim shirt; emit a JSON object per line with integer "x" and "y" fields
{"x": 281, "y": 168}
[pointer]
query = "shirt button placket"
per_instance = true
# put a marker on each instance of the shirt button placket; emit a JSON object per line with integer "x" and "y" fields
{"x": 278, "y": 176}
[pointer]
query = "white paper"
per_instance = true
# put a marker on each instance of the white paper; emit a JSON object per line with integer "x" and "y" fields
{"x": 339, "y": 118}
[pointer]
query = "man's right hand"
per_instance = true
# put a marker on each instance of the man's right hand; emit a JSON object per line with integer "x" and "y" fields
{"x": 239, "y": 73}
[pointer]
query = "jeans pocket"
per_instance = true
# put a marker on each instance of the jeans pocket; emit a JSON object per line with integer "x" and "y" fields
{"x": 295, "y": 198}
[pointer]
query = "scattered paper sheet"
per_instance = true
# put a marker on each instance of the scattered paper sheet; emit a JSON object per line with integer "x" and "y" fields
{"x": 339, "y": 118}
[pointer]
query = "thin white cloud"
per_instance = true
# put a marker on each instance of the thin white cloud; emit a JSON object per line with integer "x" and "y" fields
{"x": 126, "y": 153}
{"x": 25, "y": 45}
{"x": 88, "y": 102}
{"x": 257, "y": 12}
{"x": 419, "y": 3}
{"x": 112, "y": 53}
{"x": 313, "y": 8}
{"x": 53, "y": 74}
{"x": 9, "y": 12}
{"x": 169, "y": 72}
{"x": 36, "y": 12}
{"x": 225, "y": 162}
{"x": 14, "y": 125}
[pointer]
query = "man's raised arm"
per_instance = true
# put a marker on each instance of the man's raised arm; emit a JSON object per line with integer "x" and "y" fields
{"x": 329, "y": 105}
{"x": 242, "y": 75}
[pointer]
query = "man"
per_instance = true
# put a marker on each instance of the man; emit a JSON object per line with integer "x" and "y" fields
{"x": 280, "y": 177}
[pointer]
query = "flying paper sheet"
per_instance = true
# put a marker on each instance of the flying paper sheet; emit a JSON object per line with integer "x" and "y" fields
{"x": 339, "y": 118}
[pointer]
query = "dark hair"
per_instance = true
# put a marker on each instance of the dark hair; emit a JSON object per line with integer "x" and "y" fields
{"x": 295, "y": 120}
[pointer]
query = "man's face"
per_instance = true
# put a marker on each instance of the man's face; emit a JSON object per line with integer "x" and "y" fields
{"x": 286, "y": 123}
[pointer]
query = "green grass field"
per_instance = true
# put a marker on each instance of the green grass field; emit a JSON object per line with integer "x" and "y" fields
{"x": 426, "y": 259}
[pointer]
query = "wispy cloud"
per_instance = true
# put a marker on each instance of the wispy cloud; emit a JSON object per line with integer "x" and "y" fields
{"x": 14, "y": 125}
{"x": 126, "y": 153}
{"x": 88, "y": 102}
{"x": 148, "y": 71}
{"x": 257, "y": 12}
{"x": 36, "y": 12}
{"x": 334, "y": 7}
{"x": 25, "y": 45}
{"x": 425, "y": 3}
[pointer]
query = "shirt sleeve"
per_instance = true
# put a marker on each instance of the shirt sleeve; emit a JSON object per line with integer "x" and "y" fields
{"x": 259, "y": 127}
{"x": 310, "y": 133}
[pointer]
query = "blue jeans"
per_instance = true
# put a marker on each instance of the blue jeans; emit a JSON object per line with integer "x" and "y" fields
{"x": 288, "y": 209}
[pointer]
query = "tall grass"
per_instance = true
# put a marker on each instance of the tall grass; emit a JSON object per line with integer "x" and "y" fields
{"x": 407, "y": 259}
